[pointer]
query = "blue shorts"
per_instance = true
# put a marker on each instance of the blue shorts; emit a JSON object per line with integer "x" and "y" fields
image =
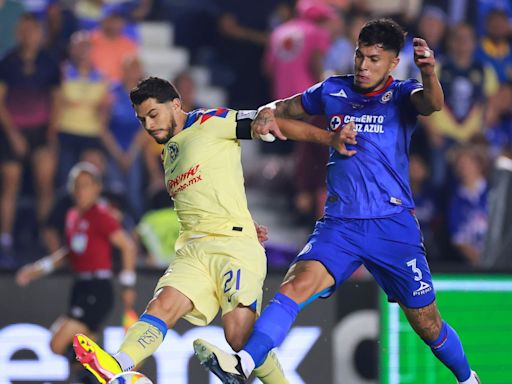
{"x": 391, "y": 248}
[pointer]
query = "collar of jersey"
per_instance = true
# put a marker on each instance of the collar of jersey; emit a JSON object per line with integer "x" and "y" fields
{"x": 379, "y": 91}
{"x": 192, "y": 117}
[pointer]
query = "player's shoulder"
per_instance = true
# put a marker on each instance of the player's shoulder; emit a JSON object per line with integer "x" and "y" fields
{"x": 204, "y": 116}
{"x": 336, "y": 80}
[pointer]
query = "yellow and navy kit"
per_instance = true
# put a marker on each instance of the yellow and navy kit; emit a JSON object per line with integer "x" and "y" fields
{"x": 203, "y": 174}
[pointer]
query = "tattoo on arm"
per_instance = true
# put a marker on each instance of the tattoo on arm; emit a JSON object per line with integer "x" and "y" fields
{"x": 290, "y": 108}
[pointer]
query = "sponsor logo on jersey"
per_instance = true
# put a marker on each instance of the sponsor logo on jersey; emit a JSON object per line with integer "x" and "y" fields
{"x": 366, "y": 123}
{"x": 173, "y": 150}
{"x": 184, "y": 180}
{"x": 386, "y": 97}
{"x": 340, "y": 93}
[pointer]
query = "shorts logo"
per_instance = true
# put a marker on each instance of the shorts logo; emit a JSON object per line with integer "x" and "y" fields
{"x": 173, "y": 151}
{"x": 308, "y": 247}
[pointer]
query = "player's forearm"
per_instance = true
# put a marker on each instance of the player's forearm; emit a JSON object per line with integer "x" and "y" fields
{"x": 433, "y": 97}
{"x": 302, "y": 131}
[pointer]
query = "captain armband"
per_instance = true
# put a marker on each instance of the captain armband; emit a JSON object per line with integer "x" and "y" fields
{"x": 243, "y": 124}
{"x": 127, "y": 278}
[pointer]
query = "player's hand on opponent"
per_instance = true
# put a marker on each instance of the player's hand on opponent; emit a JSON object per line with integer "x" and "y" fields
{"x": 265, "y": 126}
{"x": 346, "y": 135}
{"x": 262, "y": 232}
{"x": 423, "y": 56}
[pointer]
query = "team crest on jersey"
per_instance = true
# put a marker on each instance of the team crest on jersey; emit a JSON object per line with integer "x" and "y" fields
{"x": 335, "y": 122}
{"x": 173, "y": 150}
{"x": 386, "y": 97}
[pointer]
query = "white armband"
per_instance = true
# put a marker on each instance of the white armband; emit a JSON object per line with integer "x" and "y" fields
{"x": 127, "y": 278}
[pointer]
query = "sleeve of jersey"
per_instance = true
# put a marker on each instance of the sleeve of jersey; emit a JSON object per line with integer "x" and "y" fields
{"x": 312, "y": 101}
{"x": 409, "y": 87}
{"x": 222, "y": 125}
{"x": 107, "y": 224}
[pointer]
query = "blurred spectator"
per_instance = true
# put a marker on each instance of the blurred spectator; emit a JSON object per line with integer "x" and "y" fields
{"x": 158, "y": 230}
{"x": 467, "y": 215}
{"x": 498, "y": 241}
{"x": 310, "y": 172}
{"x": 54, "y": 225}
{"x": 425, "y": 201}
{"x": 494, "y": 48}
{"x": 186, "y": 87}
{"x": 29, "y": 81}
{"x": 498, "y": 119}
{"x": 124, "y": 139}
{"x": 110, "y": 47}
{"x": 243, "y": 27}
{"x": 467, "y": 83}
{"x": 83, "y": 103}
{"x": 92, "y": 232}
{"x": 60, "y": 24}
{"x": 10, "y": 11}
{"x": 339, "y": 59}
{"x": 431, "y": 26}
{"x": 295, "y": 55}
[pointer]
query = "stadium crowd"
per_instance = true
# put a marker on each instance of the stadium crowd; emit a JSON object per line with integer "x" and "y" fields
{"x": 66, "y": 68}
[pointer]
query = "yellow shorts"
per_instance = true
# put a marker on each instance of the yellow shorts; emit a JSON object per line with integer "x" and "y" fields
{"x": 218, "y": 272}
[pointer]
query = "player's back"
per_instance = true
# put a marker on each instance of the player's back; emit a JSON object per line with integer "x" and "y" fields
{"x": 204, "y": 176}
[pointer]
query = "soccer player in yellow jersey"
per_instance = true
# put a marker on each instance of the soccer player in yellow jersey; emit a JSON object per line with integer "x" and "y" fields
{"x": 219, "y": 262}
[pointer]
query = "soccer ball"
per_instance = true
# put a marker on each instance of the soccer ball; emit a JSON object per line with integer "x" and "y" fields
{"x": 130, "y": 378}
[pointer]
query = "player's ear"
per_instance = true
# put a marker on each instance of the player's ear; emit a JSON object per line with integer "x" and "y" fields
{"x": 176, "y": 103}
{"x": 394, "y": 63}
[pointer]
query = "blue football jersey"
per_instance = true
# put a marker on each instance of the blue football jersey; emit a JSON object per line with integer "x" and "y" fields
{"x": 374, "y": 182}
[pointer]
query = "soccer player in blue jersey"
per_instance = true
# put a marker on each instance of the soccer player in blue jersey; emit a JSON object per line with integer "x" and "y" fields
{"x": 369, "y": 214}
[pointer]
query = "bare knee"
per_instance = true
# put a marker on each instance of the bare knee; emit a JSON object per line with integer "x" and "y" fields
{"x": 169, "y": 305}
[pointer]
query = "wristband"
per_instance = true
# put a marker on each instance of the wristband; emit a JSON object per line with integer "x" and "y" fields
{"x": 46, "y": 265}
{"x": 127, "y": 278}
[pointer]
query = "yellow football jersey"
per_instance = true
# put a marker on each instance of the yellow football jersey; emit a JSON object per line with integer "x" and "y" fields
{"x": 203, "y": 175}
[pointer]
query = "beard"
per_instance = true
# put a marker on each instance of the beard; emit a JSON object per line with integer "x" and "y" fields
{"x": 170, "y": 133}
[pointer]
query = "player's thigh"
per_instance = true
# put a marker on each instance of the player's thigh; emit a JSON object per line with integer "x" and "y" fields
{"x": 63, "y": 331}
{"x": 237, "y": 326}
{"x": 238, "y": 266}
{"x": 329, "y": 257}
{"x": 189, "y": 275}
{"x": 397, "y": 260}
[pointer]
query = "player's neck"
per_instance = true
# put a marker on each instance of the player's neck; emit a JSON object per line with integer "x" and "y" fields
{"x": 379, "y": 87}
{"x": 180, "y": 120}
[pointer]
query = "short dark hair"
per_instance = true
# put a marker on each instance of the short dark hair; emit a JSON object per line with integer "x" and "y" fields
{"x": 384, "y": 32}
{"x": 153, "y": 87}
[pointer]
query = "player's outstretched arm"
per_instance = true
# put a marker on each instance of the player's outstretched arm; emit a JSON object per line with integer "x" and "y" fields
{"x": 431, "y": 99}
{"x": 302, "y": 131}
{"x": 290, "y": 108}
{"x": 41, "y": 267}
